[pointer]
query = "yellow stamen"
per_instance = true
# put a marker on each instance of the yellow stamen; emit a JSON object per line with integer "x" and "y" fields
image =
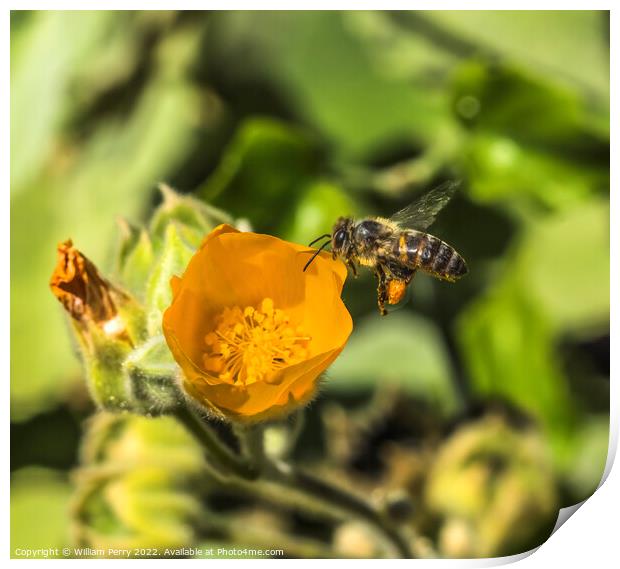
{"x": 250, "y": 344}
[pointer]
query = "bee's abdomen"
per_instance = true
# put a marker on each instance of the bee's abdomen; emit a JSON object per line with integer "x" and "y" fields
{"x": 427, "y": 252}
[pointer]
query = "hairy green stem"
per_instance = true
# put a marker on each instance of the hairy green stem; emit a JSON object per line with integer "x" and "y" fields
{"x": 256, "y": 475}
{"x": 297, "y": 426}
{"x": 282, "y": 482}
{"x": 215, "y": 449}
{"x": 252, "y": 444}
{"x": 342, "y": 500}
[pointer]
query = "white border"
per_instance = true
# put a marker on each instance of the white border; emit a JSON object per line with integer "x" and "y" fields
{"x": 589, "y": 537}
{"x": 315, "y": 5}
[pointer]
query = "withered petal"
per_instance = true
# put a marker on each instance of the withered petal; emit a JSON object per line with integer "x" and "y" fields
{"x": 79, "y": 286}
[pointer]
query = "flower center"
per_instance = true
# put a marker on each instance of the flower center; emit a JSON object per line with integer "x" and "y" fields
{"x": 249, "y": 345}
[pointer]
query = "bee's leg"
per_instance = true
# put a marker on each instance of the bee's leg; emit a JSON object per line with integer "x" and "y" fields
{"x": 410, "y": 278}
{"x": 382, "y": 291}
{"x": 352, "y": 267}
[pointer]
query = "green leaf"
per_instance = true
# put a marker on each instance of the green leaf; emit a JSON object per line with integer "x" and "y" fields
{"x": 500, "y": 481}
{"x": 152, "y": 359}
{"x": 565, "y": 264}
{"x": 501, "y": 169}
{"x": 175, "y": 255}
{"x": 139, "y": 485}
{"x": 152, "y": 371}
{"x": 529, "y": 139}
{"x": 39, "y": 511}
{"x": 319, "y": 61}
{"x": 564, "y": 46}
{"x": 320, "y": 204}
{"x": 40, "y": 78}
{"x": 146, "y": 500}
{"x": 340, "y": 88}
{"x": 135, "y": 259}
{"x": 131, "y": 441}
{"x": 553, "y": 285}
{"x": 103, "y": 360}
{"x": 110, "y": 172}
{"x": 530, "y": 110}
{"x": 507, "y": 346}
{"x": 262, "y": 168}
{"x": 399, "y": 348}
{"x": 586, "y": 457}
{"x": 193, "y": 218}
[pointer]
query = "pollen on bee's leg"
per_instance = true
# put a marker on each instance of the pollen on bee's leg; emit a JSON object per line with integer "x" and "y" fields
{"x": 248, "y": 345}
{"x": 396, "y": 291}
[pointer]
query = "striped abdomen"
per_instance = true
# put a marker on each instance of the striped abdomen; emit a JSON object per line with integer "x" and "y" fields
{"x": 420, "y": 250}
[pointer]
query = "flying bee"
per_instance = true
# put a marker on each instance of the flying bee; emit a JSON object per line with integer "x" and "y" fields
{"x": 397, "y": 247}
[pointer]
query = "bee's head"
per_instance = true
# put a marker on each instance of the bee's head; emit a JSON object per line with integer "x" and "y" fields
{"x": 342, "y": 237}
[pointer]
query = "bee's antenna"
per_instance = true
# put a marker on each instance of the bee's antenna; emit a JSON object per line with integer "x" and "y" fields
{"x": 317, "y": 252}
{"x": 319, "y": 238}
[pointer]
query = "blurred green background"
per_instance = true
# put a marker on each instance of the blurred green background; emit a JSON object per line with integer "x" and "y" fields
{"x": 289, "y": 120}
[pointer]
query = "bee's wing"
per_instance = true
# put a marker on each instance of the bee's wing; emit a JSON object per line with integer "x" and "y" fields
{"x": 422, "y": 212}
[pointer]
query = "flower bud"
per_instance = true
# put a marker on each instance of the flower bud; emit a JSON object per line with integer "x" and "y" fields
{"x": 177, "y": 228}
{"x": 106, "y": 324}
{"x": 84, "y": 293}
{"x": 125, "y": 371}
{"x": 135, "y": 258}
{"x": 193, "y": 218}
{"x": 493, "y": 481}
{"x": 151, "y": 370}
{"x": 138, "y": 485}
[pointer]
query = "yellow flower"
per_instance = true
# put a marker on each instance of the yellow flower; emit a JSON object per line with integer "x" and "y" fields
{"x": 251, "y": 331}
